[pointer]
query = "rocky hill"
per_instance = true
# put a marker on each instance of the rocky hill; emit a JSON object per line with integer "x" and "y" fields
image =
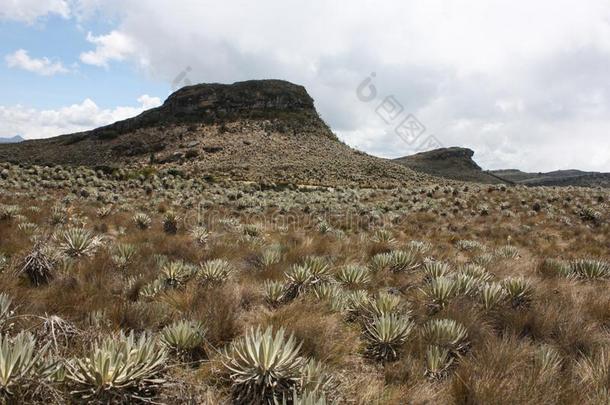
{"x": 262, "y": 130}
{"x": 13, "y": 139}
{"x": 556, "y": 178}
{"x": 451, "y": 163}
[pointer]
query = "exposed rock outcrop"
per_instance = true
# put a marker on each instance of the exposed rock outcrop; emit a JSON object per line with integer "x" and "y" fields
{"x": 265, "y": 130}
{"x": 452, "y": 163}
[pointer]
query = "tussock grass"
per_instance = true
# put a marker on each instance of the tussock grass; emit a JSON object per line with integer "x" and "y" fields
{"x": 392, "y": 296}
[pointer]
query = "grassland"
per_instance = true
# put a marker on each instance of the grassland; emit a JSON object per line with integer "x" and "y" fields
{"x": 155, "y": 286}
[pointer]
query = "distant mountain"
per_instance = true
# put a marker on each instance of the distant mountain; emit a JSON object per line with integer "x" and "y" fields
{"x": 14, "y": 139}
{"x": 457, "y": 164}
{"x": 556, "y": 178}
{"x": 452, "y": 163}
{"x": 260, "y": 130}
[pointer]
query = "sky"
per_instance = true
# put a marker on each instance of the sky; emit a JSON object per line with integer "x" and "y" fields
{"x": 524, "y": 84}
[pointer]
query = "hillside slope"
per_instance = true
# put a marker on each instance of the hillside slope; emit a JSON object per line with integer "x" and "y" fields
{"x": 452, "y": 163}
{"x": 556, "y": 178}
{"x": 262, "y": 130}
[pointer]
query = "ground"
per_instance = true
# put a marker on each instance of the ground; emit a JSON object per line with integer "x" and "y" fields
{"x": 453, "y": 294}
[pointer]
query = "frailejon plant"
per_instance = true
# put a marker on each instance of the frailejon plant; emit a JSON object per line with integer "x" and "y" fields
{"x": 438, "y": 360}
{"x": 200, "y": 234}
{"x": 38, "y": 266}
{"x": 315, "y": 377}
{"x": 6, "y": 312}
{"x": 590, "y": 269}
{"x": 271, "y": 256}
{"x": 445, "y": 333}
{"x": 318, "y": 268}
{"x": 77, "y": 242}
{"x": 403, "y": 260}
{"x": 299, "y": 279}
{"x": 385, "y": 335}
{"x": 469, "y": 245}
{"x": 123, "y": 254}
{"x": 263, "y": 366}
{"x": 484, "y": 259}
{"x": 176, "y": 273}
{"x": 104, "y": 211}
{"x": 418, "y": 246}
{"x": 381, "y": 262}
{"x": 304, "y": 398}
{"x": 434, "y": 269}
{"x": 8, "y": 212}
{"x": 477, "y": 272}
{"x": 556, "y": 267}
{"x": 215, "y": 271}
{"x": 507, "y": 252}
{"x": 142, "y": 220}
{"x": 3, "y": 262}
{"x": 383, "y": 304}
{"x": 518, "y": 290}
{"x": 274, "y": 292}
{"x": 152, "y": 289}
{"x": 440, "y": 291}
{"x": 354, "y": 303}
{"x": 466, "y": 285}
{"x": 492, "y": 295}
{"x": 119, "y": 368}
{"x": 170, "y": 223}
{"x": 332, "y": 293}
{"x": 383, "y": 236}
{"x": 353, "y": 275}
{"x": 19, "y": 363}
{"x": 184, "y": 338}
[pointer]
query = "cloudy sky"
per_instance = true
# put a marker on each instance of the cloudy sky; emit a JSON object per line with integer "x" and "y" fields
{"x": 524, "y": 84}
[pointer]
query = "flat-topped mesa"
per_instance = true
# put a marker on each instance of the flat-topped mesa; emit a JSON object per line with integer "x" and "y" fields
{"x": 249, "y": 96}
{"x": 216, "y": 103}
{"x": 463, "y": 155}
{"x": 453, "y": 163}
{"x": 266, "y": 131}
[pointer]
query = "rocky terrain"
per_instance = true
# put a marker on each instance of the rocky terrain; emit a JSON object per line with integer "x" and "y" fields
{"x": 256, "y": 130}
{"x": 452, "y": 163}
{"x": 458, "y": 164}
{"x": 556, "y": 178}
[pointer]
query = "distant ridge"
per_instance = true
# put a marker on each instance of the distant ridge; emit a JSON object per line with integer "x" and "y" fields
{"x": 556, "y": 178}
{"x": 457, "y": 164}
{"x": 14, "y": 139}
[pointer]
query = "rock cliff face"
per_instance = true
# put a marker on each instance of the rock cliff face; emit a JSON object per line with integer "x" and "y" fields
{"x": 252, "y": 96}
{"x": 266, "y": 130}
{"x": 452, "y": 163}
{"x": 221, "y": 103}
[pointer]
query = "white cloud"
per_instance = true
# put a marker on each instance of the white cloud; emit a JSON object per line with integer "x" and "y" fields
{"x": 31, "y": 123}
{"x": 29, "y": 11}
{"x": 115, "y": 46}
{"x": 42, "y": 66}
{"x": 521, "y": 83}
